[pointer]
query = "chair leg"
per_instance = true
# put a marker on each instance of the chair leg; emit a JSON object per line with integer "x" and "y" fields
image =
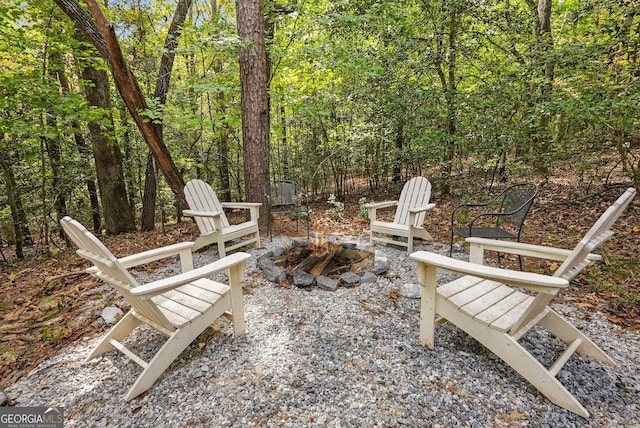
{"x": 177, "y": 342}
{"x": 451, "y": 244}
{"x": 566, "y": 332}
{"x": 118, "y": 332}
{"x": 511, "y": 352}
{"x": 221, "y": 250}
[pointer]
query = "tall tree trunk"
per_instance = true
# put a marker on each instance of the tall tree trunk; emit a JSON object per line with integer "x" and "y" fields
{"x": 447, "y": 74}
{"x": 546, "y": 42}
{"x": 108, "y": 158}
{"x": 254, "y": 97}
{"x": 224, "y": 169}
{"x": 83, "y": 150}
{"x": 56, "y": 68}
{"x": 541, "y": 49}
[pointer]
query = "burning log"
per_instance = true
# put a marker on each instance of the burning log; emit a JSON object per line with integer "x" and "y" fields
{"x": 315, "y": 264}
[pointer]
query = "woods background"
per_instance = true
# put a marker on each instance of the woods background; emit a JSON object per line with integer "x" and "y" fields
{"x": 345, "y": 96}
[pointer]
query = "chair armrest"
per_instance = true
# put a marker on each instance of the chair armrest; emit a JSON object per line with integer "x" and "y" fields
{"x": 192, "y": 213}
{"x": 385, "y": 204}
{"x": 531, "y": 281}
{"x": 479, "y": 245}
{"x": 155, "y": 254}
{"x": 253, "y": 207}
{"x": 466, "y": 206}
{"x": 374, "y": 206}
{"x": 423, "y": 208}
{"x": 183, "y": 249}
{"x": 241, "y": 205}
{"x": 475, "y": 205}
{"x": 160, "y": 286}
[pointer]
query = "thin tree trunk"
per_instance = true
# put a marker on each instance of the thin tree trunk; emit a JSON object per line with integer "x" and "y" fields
{"x": 52, "y": 146}
{"x": 449, "y": 87}
{"x": 285, "y": 144}
{"x": 544, "y": 15}
{"x": 399, "y": 143}
{"x": 17, "y": 214}
{"x": 149, "y": 201}
{"x": 542, "y": 44}
{"x": 162, "y": 89}
{"x": 224, "y": 174}
{"x": 54, "y": 151}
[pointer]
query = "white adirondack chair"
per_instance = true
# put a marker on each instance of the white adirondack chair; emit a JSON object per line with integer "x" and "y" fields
{"x": 181, "y": 306}
{"x": 484, "y": 303}
{"x": 214, "y": 227}
{"x": 408, "y": 221}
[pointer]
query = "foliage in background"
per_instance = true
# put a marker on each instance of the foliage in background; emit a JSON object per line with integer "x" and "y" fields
{"x": 363, "y": 94}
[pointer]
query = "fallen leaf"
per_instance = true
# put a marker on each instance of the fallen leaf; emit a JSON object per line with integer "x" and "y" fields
{"x": 584, "y": 305}
{"x": 516, "y": 415}
{"x": 615, "y": 319}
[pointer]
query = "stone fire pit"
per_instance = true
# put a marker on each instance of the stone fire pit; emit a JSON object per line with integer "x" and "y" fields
{"x": 328, "y": 265}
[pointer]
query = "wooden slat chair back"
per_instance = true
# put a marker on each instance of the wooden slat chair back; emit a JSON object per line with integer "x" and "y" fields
{"x": 286, "y": 197}
{"x": 415, "y": 194}
{"x": 490, "y": 303}
{"x": 201, "y": 197}
{"x": 111, "y": 271}
{"x": 408, "y": 221}
{"x": 597, "y": 234}
{"x": 214, "y": 226}
{"x": 180, "y": 307}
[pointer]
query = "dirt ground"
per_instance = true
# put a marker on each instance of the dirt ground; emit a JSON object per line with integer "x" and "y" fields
{"x": 43, "y": 299}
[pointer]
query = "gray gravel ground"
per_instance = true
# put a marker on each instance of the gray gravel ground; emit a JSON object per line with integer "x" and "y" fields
{"x": 348, "y": 358}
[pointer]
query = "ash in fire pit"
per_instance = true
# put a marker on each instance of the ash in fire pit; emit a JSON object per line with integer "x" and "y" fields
{"x": 327, "y": 265}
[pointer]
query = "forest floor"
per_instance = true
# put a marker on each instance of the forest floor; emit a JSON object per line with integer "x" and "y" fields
{"x": 42, "y": 298}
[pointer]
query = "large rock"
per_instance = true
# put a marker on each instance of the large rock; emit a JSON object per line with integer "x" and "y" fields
{"x": 303, "y": 279}
{"x": 350, "y": 279}
{"x": 270, "y": 271}
{"x": 326, "y": 283}
{"x": 367, "y": 277}
{"x": 411, "y": 291}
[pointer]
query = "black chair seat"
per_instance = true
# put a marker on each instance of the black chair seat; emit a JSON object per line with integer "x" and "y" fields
{"x": 484, "y": 232}
{"x": 488, "y": 220}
